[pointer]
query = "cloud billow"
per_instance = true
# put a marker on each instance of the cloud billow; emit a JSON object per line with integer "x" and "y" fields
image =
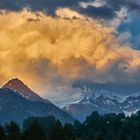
{"x": 50, "y": 53}
{"x": 105, "y": 11}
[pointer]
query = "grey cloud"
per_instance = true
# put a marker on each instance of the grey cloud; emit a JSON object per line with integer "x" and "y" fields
{"x": 120, "y": 78}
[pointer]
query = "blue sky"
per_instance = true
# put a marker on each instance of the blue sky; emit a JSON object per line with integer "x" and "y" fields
{"x": 134, "y": 28}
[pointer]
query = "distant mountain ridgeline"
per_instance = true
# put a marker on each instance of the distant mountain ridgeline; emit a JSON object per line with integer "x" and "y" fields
{"x": 18, "y": 101}
{"x": 42, "y": 120}
{"x": 103, "y": 105}
{"x": 104, "y": 99}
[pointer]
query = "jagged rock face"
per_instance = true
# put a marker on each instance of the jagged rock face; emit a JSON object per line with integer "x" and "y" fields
{"x": 131, "y": 105}
{"x": 15, "y": 107}
{"x": 18, "y": 86}
{"x": 103, "y": 105}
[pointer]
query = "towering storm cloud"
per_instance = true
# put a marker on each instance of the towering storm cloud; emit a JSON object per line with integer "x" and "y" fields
{"x": 50, "y": 53}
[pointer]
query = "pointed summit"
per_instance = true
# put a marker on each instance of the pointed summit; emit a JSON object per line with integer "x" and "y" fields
{"x": 18, "y": 86}
{"x": 15, "y": 84}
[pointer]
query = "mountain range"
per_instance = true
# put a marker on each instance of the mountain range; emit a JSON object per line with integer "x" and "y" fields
{"x": 18, "y": 102}
{"x": 104, "y": 103}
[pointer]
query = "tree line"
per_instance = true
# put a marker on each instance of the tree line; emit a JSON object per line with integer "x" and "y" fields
{"x": 95, "y": 127}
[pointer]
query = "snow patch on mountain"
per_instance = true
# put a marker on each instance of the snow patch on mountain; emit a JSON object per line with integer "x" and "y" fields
{"x": 130, "y": 113}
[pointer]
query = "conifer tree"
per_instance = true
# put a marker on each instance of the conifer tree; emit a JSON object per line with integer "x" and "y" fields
{"x": 13, "y": 131}
{"x": 123, "y": 137}
{"x": 57, "y": 131}
{"x": 34, "y": 132}
{"x": 2, "y": 133}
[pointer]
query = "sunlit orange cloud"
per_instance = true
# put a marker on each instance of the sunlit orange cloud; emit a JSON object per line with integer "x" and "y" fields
{"x": 48, "y": 52}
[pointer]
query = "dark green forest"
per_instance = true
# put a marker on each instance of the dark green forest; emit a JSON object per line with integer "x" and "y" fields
{"x": 95, "y": 127}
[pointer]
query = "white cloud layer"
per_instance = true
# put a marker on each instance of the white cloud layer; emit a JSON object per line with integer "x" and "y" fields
{"x": 96, "y": 3}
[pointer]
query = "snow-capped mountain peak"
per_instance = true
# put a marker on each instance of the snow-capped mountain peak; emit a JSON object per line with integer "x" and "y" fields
{"x": 103, "y": 104}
